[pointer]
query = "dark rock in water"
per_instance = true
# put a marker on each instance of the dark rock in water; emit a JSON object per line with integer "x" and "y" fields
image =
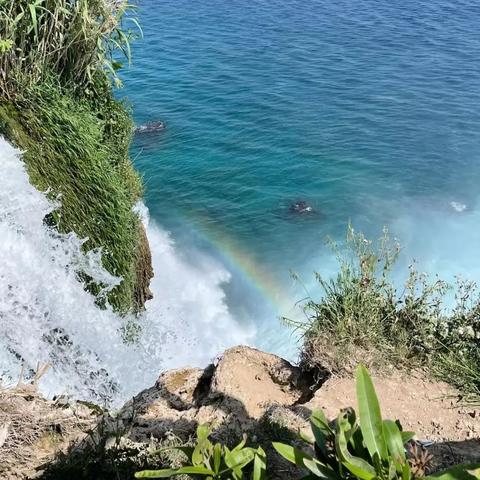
{"x": 151, "y": 127}
{"x": 300, "y": 206}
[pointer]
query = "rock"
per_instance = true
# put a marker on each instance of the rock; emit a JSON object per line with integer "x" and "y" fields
{"x": 180, "y": 387}
{"x": 232, "y": 396}
{"x": 250, "y": 381}
{"x": 301, "y": 207}
{"x": 247, "y": 391}
{"x": 151, "y": 127}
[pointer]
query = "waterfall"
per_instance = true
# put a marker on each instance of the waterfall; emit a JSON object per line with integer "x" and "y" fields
{"x": 46, "y": 315}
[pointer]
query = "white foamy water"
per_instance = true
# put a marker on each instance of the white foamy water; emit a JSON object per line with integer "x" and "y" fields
{"x": 46, "y": 315}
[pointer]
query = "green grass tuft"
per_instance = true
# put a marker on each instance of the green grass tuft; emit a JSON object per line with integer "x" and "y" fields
{"x": 362, "y": 317}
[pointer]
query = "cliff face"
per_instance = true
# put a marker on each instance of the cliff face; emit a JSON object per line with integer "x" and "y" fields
{"x": 143, "y": 270}
{"x": 77, "y": 149}
{"x": 245, "y": 391}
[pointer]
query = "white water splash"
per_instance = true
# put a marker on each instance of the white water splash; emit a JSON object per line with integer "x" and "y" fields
{"x": 46, "y": 315}
{"x": 458, "y": 206}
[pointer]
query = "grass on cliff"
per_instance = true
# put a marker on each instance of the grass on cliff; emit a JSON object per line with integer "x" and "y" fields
{"x": 71, "y": 39}
{"x": 77, "y": 150}
{"x": 58, "y": 60}
{"x": 361, "y": 316}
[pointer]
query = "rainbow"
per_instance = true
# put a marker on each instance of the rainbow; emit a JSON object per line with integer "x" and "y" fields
{"x": 241, "y": 261}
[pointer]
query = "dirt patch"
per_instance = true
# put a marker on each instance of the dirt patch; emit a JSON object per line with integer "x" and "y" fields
{"x": 432, "y": 409}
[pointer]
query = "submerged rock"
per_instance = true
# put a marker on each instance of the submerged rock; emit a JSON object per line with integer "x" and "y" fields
{"x": 301, "y": 207}
{"x": 151, "y": 127}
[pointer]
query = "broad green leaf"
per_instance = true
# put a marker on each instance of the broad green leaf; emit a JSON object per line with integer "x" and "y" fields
{"x": 292, "y": 454}
{"x": 357, "y": 444}
{"x": 358, "y": 466}
{"x": 393, "y": 437}
{"x": 241, "y": 444}
{"x": 202, "y": 444}
{"x": 320, "y": 470}
{"x": 306, "y": 438}
{"x": 370, "y": 415}
{"x": 260, "y": 465}
{"x": 166, "y": 473}
{"x": 406, "y": 471}
{"x": 195, "y": 470}
{"x": 237, "y": 459}
{"x": 197, "y": 457}
{"x": 321, "y": 422}
{"x": 321, "y": 430}
{"x": 203, "y": 431}
{"x": 237, "y": 474}
{"x": 217, "y": 457}
{"x": 392, "y": 470}
{"x": 469, "y": 471}
{"x": 407, "y": 436}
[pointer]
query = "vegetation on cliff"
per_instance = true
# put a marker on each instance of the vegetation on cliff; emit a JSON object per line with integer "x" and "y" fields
{"x": 57, "y": 64}
{"x": 351, "y": 447}
{"x": 363, "y": 316}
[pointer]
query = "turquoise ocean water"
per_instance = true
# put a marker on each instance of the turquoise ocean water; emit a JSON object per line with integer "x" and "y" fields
{"x": 369, "y": 111}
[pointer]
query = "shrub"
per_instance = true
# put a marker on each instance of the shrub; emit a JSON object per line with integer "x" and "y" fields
{"x": 215, "y": 462}
{"x": 74, "y": 40}
{"x": 349, "y": 448}
{"x": 366, "y": 449}
{"x": 361, "y": 317}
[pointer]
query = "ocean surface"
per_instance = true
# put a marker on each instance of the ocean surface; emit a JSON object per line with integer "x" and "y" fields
{"x": 368, "y": 111}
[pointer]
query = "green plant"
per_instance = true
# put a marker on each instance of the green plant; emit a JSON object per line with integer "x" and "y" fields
{"x": 363, "y": 316}
{"x": 367, "y": 448}
{"x": 75, "y": 40}
{"x": 58, "y": 59}
{"x": 214, "y": 461}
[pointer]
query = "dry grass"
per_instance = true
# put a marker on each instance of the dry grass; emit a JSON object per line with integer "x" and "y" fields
{"x": 33, "y": 429}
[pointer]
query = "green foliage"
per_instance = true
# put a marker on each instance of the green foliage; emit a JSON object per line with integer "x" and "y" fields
{"x": 365, "y": 449}
{"x": 362, "y": 317}
{"x": 58, "y": 59}
{"x": 214, "y": 461}
{"x": 74, "y": 40}
{"x": 349, "y": 448}
{"x": 77, "y": 150}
